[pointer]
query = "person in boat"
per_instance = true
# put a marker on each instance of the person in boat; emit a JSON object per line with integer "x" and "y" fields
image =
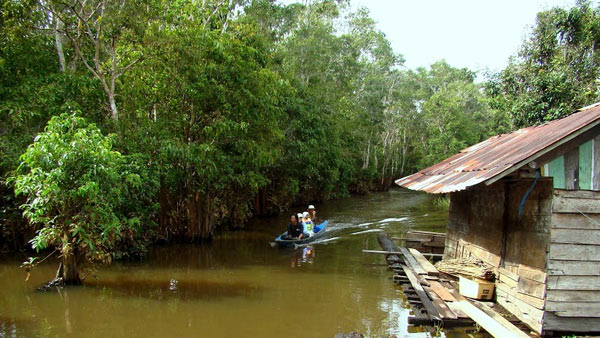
{"x": 294, "y": 229}
{"x": 312, "y": 213}
{"x": 308, "y": 224}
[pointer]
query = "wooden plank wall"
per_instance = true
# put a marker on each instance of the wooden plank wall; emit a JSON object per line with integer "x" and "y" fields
{"x": 521, "y": 286}
{"x": 573, "y": 290}
{"x": 475, "y": 221}
{"x": 475, "y": 228}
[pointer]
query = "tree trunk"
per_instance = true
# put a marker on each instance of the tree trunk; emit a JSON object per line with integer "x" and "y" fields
{"x": 70, "y": 271}
{"x": 58, "y": 43}
{"x": 114, "y": 113}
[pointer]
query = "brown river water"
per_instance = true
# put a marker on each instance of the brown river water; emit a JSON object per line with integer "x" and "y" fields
{"x": 238, "y": 285}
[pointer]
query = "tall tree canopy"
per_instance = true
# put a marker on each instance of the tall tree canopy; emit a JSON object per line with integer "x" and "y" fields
{"x": 556, "y": 70}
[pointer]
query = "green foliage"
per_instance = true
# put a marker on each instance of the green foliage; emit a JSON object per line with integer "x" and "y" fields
{"x": 225, "y": 110}
{"x": 556, "y": 70}
{"x": 77, "y": 189}
{"x": 452, "y": 110}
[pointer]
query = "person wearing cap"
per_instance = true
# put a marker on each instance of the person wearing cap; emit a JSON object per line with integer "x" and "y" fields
{"x": 308, "y": 224}
{"x": 313, "y": 214}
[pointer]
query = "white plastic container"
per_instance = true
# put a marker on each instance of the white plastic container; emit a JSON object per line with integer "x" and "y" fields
{"x": 475, "y": 288}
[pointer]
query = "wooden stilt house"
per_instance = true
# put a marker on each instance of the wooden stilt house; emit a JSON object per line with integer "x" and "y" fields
{"x": 528, "y": 203}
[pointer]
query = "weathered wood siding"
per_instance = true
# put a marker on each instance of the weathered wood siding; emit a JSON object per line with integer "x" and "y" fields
{"x": 521, "y": 286}
{"x": 484, "y": 222}
{"x": 475, "y": 223}
{"x": 573, "y": 288}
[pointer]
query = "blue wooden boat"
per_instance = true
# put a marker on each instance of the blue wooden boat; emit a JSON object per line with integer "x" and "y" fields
{"x": 319, "y": 233}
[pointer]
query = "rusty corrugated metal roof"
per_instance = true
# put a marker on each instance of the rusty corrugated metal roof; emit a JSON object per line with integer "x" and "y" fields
{"x": 500, "y": 155}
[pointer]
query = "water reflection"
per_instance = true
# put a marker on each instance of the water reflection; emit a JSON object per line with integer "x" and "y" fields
{"x": 301, "y": 256}
{"x": 12, "y": 327}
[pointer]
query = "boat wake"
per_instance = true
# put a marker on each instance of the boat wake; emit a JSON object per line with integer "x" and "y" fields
{"x": 388, "y": 220}
{"x": 366, "y": 231}
{"x": 323, "y": 241}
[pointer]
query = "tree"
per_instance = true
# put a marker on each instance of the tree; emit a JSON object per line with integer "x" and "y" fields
{"x": 74, "y": 183}
{"x": 452, "y": 112}
{"x": 212, "y": 109}
{"x": 105, "y": 35}
{"x": 556, "y": 70}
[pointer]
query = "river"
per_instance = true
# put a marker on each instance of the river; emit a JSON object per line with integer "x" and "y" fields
{"x": 238, "y": 285}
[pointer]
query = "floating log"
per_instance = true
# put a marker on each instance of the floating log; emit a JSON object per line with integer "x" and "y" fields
{"x": 386, "y": 243}
{"x": 383, "y": 252}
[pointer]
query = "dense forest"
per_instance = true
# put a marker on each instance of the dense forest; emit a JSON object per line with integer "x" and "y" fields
{"x": 127, "y": 122}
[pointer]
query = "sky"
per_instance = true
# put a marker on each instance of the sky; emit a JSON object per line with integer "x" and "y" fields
{"x": 477, "y": 34}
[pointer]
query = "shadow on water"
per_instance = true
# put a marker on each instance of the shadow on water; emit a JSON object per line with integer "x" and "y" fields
{"x": 163, "y": 290}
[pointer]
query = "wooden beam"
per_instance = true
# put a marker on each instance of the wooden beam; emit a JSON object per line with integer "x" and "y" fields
{"x": 574, "y": 309}
{"x": 513, "y": 330}
{"x": 427, "y": 303}
{"x": 523, "y": 311}
{"x": 535, "y": 274}
{"x": 590, "y": 283}
{"x": 582, "y": 296}
{"x": 425, "y": 264}
{"x": 503, "y": 321}
{"x": 575, "y": 221}
{"x": 455, "y": 309}
{"x": 441, "y": 307}
{"x": 536, "y": 302}
{"x": 578, "y": 194}
{"x": 491, "y": 325}
{"x": 412, "y": 262}
{"x": 596, "y": 164}
{"x": 581, "y": 236}
{"x": 564, "y": 204}
{"x": 509, "y": 274}
{"x": 531, "y": 287}
{"x": 575, "y": 252}
{"x": 553, "y": 322}
{"x": 572, "y": 169}
{"x": 442, "y": 292}
{"x": 573, "y": 268}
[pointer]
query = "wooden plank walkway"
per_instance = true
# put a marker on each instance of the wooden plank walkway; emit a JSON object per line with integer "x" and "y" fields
{"x": 433, "y": 299}
{"x": 424, "y": 262}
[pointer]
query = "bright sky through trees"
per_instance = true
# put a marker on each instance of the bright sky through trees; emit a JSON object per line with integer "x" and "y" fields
{"x": 477, "y": 34}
